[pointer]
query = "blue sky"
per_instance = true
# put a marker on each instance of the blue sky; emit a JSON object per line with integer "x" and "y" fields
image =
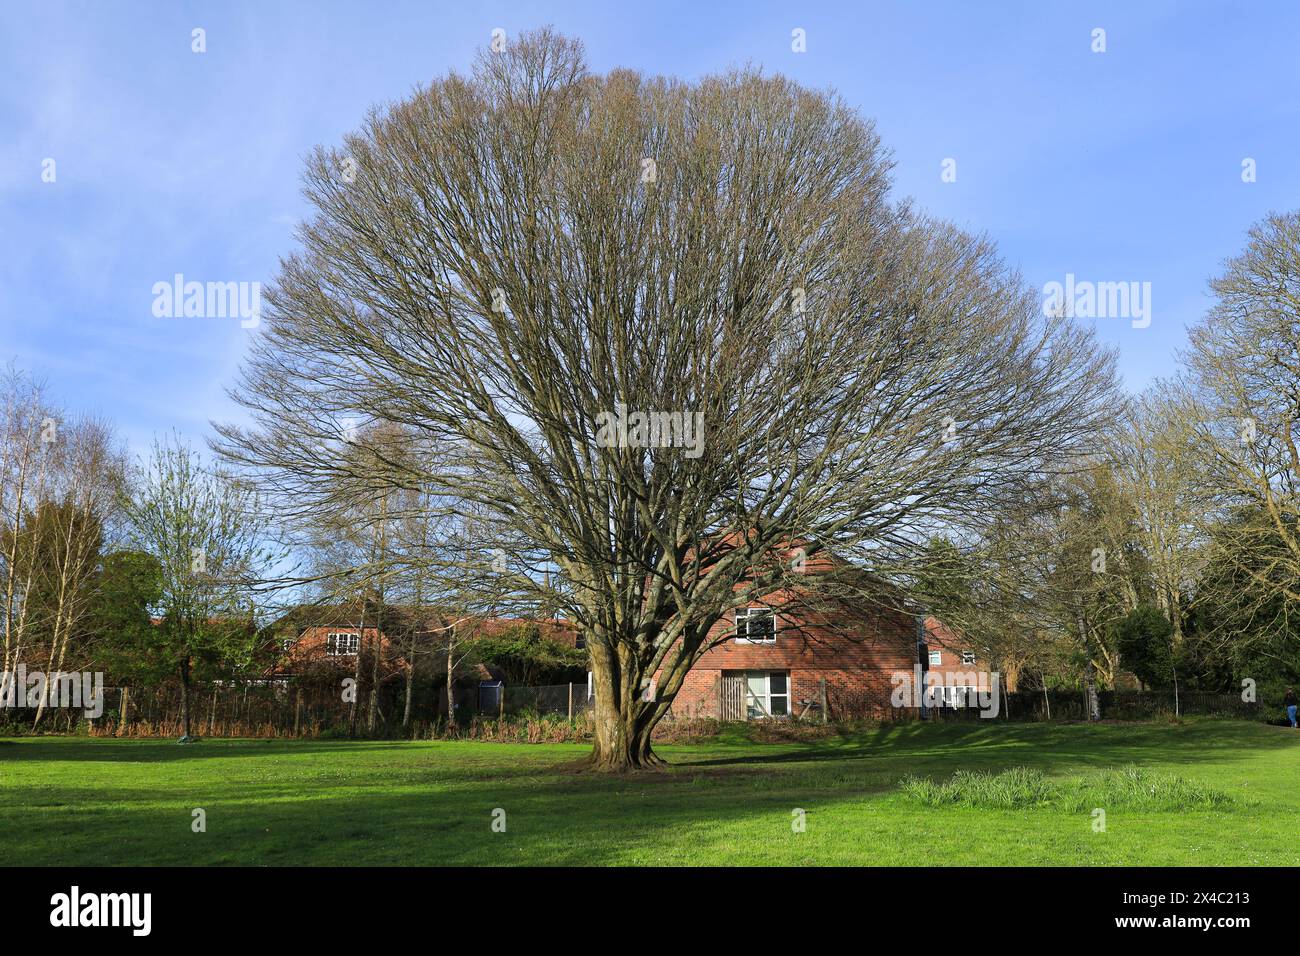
{"x": 1115, "y": 166}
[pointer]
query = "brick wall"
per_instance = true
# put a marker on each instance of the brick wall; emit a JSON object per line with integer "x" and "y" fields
{"x": 855, "y": 655}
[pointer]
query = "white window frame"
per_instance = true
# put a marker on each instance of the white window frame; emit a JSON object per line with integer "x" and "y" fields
{"x": 968, "y": 657}
{"x": 353, "y": 642}
{"x": 948, "y": 695}
{"x": 764, "y": 700}
{"x": 746, "y": 613}
{"x": 936, "y": 659}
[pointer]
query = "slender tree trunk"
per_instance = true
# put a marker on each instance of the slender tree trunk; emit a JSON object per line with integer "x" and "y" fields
{"x": 410, "y": 684}
{"x": 1092, "y": 703}
{"x": 373, "y": 704}
{"x": 1090, "y": 690}
{"x": 49, "y": 673}
{"x": 1176, "y": 617}
{"x": 185, "y": 697}
{"x": 451, "y": 688}
{"x": 356, "y": 675}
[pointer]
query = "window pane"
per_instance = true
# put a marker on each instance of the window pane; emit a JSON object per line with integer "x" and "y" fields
{"x": 757, "y": 682}
{"x": 779, "y": 708}
{"x": 778, "y": 683}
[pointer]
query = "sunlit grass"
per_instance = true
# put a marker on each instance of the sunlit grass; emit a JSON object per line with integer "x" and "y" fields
{"x": 1204, "y": 792}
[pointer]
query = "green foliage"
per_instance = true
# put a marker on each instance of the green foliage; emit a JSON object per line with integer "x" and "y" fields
{"x": 1142, "y": 638}
{"x": 524, "y": 657}
{"x": 206, "y": 533}
{"x": 128, "y": 587}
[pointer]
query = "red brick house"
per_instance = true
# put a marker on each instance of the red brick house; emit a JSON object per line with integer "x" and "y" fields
{"x": 789, "y": 656}
{"x": 312, "y": 638}
{"x": 776, "y": 666}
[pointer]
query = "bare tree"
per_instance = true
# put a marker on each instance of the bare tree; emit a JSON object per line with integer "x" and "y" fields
{"x": 1244, "y": 408}
{"x": 673, "y": 328}
{"x": 29, "y": 429}
{"x": 1155, "y": 464}
{"x": 88, "y": 471}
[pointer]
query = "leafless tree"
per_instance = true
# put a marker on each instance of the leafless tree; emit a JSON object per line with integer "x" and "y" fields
{"x": 1244, "y": 407}
{"x": 23, "y": 470}
{"x": 510, "y": 264}
{"x": 88, "y": 469}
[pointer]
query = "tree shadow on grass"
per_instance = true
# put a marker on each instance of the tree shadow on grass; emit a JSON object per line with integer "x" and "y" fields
{"x": 583, "y": 821}
{"x": 1045, "y": 746}
{"x": 155, "y": 750}
{"x": 427, "y": 805}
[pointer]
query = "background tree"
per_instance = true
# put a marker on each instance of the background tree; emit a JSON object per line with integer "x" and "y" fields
{"x": 1244, "y": 406}
{"x": 87, "y": 471}
{"x": 120, "y": 618}
{"x": 1158, "y": 471}
{"x": 1146, "y": 639}
{"x": 206, "y": 532}
{"x": 29, "y": 428}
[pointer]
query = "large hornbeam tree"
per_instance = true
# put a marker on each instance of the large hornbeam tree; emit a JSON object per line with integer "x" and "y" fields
{"x": 653, "y": 333}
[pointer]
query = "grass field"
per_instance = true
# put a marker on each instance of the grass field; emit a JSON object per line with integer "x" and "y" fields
{"x": 76, "y": 801}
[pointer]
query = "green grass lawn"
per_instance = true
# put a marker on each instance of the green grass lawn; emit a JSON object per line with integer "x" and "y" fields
{"x": 76, "y": 801}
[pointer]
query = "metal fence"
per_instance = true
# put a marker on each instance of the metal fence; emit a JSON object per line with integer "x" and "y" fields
{"x": 285, "y": 710}
{"x": 492, "y": 699}
{"x": 281, "y": 709}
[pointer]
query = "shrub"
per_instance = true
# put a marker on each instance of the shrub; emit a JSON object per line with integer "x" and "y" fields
{"x": 1130, "y": 788}
{"x": 1008, "y": 790}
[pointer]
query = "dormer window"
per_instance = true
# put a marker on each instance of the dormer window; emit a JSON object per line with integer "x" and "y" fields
{"x": 755, "y": 625}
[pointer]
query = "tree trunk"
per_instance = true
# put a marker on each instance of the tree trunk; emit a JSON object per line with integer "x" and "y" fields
{"x": 373, "y": 706}
{"x": 185, "y": 697}
{"x": 451, "y": 690}
{"x": 623, "y": 721}
{"x": 125, "y": 697}
{"x": 1090, "y": 690}
{"x": 356, "y": 675}
{"x": 410, "y": 684}
{"x": 1176, "y": 617}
